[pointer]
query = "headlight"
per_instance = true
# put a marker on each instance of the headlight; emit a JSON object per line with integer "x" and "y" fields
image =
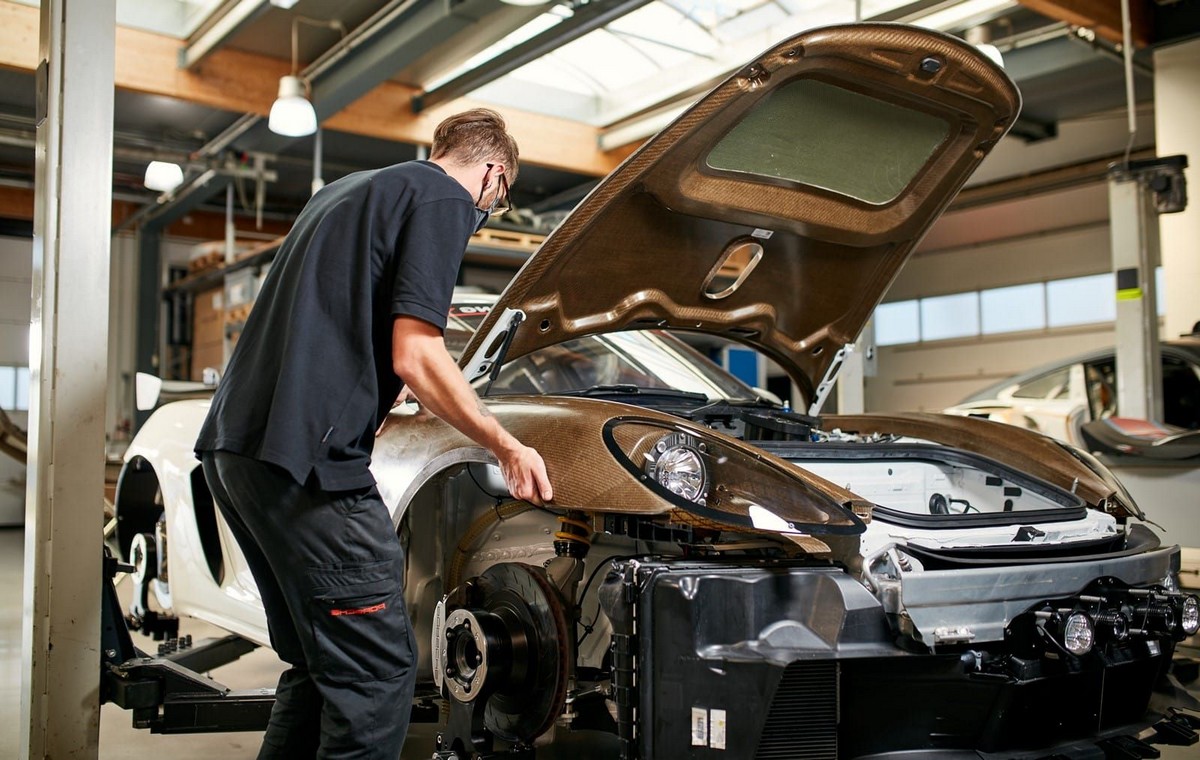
{"x": 1078, "y": 634}
{"x": 677, "y": 463}
{"x": 725, "y": 482}
{"x": 1189, "y": 615}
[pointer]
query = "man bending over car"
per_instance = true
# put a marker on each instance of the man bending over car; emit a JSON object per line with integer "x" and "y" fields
{"x": 353, "y": 309}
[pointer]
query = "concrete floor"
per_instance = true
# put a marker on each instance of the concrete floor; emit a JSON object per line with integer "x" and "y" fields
{"x": 120, "y": 741}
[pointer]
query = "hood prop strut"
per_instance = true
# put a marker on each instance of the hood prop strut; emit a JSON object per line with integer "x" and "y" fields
{"x": 826, "y": 384}
{"x": 484, "y": 363}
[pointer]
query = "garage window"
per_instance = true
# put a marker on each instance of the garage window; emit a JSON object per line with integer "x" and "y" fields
{"x": 1081, "y": 300}
{"x": 898, "y": 322}
{"x": 14, "y": 389}
{"x": 1021, "y": 307}
{"x": 955, "y": 316}
{"x": 1036, "y": 306}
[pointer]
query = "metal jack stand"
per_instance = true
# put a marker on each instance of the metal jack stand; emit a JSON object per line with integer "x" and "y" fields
{"x": 1138, "y": 192}
{"x": 166, "y": 693}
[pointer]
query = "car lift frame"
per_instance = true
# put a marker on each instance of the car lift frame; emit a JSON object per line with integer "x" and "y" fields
{"x": 169, "y": 694}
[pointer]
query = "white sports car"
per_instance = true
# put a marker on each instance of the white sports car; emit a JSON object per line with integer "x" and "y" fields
{"x": 720, "y": 576}
{"x": 1059, "y": 399}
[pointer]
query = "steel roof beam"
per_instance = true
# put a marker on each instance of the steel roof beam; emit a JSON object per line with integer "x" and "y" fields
{"x": 222, "y": 25}
{"x": 586, "y": 19}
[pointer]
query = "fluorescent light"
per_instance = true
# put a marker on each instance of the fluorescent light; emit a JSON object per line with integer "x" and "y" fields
{"x": 163, "y": 176}
{"x": 525, "y": 2}
{"x": 967, "y": 13}
{"x": 285, "y": 4}
{"x": 292, "y": 114}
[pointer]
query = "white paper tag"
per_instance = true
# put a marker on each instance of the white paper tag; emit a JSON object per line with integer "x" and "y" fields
{"x": 699, "y": 727}
{"x": 716, "y": 729}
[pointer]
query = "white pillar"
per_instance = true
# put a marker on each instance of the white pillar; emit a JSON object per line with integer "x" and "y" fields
{"x": 60, "y": 675}
{"x": 1133, "y": 225}
{"x": 1177, "y": 126}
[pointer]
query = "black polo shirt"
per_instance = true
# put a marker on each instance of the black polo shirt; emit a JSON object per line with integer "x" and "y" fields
{"x": 311, "y": 377}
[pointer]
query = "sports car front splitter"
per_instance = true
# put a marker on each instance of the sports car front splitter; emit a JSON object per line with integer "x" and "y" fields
{"x": 772, "y": 661}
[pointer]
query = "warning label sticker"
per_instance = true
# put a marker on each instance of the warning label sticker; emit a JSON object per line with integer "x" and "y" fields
{"x": 699, "y": 727}
{"x": 716, "y": 729}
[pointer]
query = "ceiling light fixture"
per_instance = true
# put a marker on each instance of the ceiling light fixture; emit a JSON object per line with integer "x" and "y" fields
{"x": 525, "y": 2}
{"x": 293, "y": 114}
{"x": 285, "y": 4}
{"x": 981, "y": 37}
{"x": 163, "y": 176}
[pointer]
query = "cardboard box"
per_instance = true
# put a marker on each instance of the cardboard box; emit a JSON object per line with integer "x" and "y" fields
{"x": 208, "y": 332}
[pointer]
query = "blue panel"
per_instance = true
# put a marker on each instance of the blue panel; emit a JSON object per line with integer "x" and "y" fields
{"x": 742, "y": 363}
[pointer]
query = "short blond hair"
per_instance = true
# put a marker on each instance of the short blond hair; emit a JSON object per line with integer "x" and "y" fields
{"x": 476, "y": 136}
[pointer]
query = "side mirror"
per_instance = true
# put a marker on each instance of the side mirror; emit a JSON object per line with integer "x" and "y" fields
{"x": 146, "y": 391}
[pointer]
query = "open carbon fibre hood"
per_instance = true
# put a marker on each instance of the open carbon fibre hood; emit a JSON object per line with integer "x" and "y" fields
{"x": 779, "y": 208}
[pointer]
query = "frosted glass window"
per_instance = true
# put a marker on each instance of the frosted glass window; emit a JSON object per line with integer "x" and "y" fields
{"x": 1021, "y": 307}
{"x": 22, "y": 389}
{"x": 898, "y": 322}
{"x": 953, "y": 316}
{"x": 8, "y": 388}
{"x": 1160, "y": 291}
{"x": 1081, "y": 300}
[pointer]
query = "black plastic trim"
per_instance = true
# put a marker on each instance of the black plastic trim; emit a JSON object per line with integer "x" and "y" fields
{"x": 1139, "y": 540}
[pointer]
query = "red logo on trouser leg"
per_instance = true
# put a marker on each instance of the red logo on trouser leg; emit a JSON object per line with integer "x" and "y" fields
{"x": 360, "y": 610}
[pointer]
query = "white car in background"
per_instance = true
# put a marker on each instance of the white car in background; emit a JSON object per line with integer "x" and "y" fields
{"x": 1058, "y": 399}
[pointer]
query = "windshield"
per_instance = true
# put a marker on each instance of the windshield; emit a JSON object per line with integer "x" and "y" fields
{"x": 645, "y": 359}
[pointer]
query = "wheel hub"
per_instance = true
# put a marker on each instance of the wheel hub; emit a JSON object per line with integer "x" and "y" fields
{"x": 501, "y": 650}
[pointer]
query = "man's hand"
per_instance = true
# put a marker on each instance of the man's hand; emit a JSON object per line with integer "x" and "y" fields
{"x": 525, "y": 474}
{"x": 419, "y": 356}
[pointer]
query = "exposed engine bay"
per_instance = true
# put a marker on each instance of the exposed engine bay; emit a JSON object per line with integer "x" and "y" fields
{"x": 549, "y": 620}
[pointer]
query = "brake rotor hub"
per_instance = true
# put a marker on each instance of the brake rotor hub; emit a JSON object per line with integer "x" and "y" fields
{"x": 479, "y": 653}
{"x": 501, "y": 651}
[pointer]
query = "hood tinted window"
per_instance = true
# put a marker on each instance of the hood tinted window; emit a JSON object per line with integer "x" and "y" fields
{"x": 832, "y": 138}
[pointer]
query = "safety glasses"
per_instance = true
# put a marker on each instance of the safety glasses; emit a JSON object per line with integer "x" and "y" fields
{"x": 500, "y": 204}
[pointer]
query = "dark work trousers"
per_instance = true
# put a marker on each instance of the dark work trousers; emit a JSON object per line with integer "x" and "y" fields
{"x": 330, "y": 571}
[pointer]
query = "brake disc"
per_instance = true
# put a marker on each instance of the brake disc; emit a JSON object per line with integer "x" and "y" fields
{"x": 505, "y": 649}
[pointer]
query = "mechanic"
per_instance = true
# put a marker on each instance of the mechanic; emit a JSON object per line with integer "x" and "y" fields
{"x": 357, "y": 298}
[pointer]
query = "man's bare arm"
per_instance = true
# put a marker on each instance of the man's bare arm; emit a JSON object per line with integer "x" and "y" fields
{"x": 419, "y": 356}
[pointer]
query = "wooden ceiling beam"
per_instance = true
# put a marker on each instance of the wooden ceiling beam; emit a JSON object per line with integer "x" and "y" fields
{"x": 1101, "y": 16}
{"x": 233, "y": 80}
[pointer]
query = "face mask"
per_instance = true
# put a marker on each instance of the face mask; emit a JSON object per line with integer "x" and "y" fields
{"x": 481, "y": 219}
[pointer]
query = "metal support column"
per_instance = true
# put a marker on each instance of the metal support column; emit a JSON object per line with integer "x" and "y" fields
{"x": 60, "y": 705}
{"x": 1138, "y": 191}
{"x": 149, "y": 306}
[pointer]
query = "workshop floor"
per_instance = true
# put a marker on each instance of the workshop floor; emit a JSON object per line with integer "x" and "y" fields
{"x": 119, "y": 741}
